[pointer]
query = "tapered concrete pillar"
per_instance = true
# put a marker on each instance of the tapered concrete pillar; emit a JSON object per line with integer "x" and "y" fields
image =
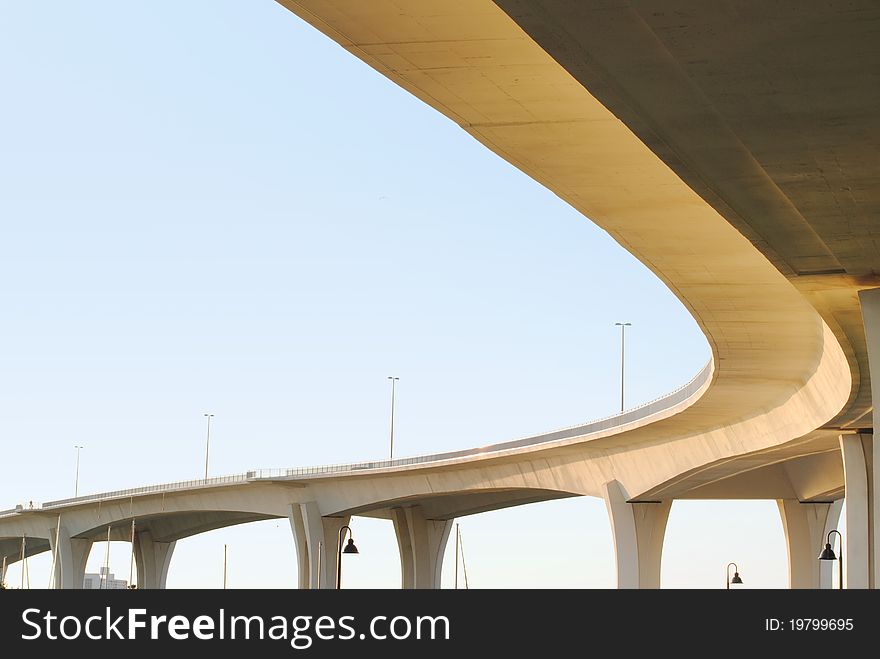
{"x": 323, "y": 532}
{"x": 297, "y": 526}
{"x": 637, "y": 530}
{"x": 858, "y": 546}
{"x": 404, "y": 548}
{"x": 70, "y": 559}
{"x": 870, "y": 304}
{"x": 152, "y": 560}
{"x": 806, "y": 526}
{"x": 422, "y": 544}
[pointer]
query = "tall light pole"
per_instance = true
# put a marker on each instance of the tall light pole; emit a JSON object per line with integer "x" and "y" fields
{"x": 459, "y": 551}
{"x": 131, "y": 561}
{"x": 457, "y": 538}
{"x": 393, "y": 382}
{"x": 23, "y": 559}
{"x": 208, "y": 443}
{"x": 76, "y": 485}
{"x": 623, "y": 327}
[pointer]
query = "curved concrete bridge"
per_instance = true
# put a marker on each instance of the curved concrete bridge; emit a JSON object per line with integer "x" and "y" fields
{"x": 733, "y": 150}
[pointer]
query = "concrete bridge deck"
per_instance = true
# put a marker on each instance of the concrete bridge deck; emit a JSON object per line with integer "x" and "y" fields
{"x": 731, "y": 149}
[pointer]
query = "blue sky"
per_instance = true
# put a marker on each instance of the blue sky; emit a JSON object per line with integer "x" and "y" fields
{"x": 209, "y": 206}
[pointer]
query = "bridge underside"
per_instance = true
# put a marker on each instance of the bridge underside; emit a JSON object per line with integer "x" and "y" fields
{"x": 767, "y": 111}
{"x": 170, "y": 527}
{"x": 732, "y": 149}
{"x": 459, "y": 504}
{"x": 10, "y": 548}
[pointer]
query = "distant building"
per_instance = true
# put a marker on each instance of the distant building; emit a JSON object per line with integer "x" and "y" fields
{"x": 106, "y": 580}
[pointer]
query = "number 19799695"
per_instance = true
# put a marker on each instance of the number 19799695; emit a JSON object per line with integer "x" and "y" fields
{"x": 809, "y": 624}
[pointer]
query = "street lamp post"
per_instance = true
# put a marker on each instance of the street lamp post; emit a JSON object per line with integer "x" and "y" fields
{"x": 76, "y": 485}
{"x": 131, "y": 561}
{"x": 393, "y": 382}
{"x": 349, "y": 549}
{"x": 457, "y": 539}
{"x": 623, "y": 327}
{"x": 736, "y": 579}
{"x": 828, "y": 555}
{"x": 207, "y": 443}
{"x": 23, "y": 559}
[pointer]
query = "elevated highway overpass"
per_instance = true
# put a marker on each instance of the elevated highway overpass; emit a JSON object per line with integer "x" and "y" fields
{"x": 733, "y": 149}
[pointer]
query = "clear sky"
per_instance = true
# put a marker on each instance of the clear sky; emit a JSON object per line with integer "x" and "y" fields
{"x": 210, "y": 207}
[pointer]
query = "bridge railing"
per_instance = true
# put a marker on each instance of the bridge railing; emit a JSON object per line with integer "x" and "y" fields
{"x": 641, "y": 412}
{"x": 149, "y": 489}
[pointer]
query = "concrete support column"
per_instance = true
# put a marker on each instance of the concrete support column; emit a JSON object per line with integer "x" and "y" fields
{"x": 323, "y": 530}
{"x": 638, "y": 530}
{"x": 297, "y": 526}
{"x": 70, "y": 559}
{"x": 152, "y": 560}
{"x": 422, "y": 544}
{"x": 806, "y": 526}
{"x": 858, "y": 477}
{"x": 870, "y": 304}
{"x": 404, "y": 548}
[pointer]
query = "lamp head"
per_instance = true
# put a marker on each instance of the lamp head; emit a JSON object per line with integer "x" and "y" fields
{"x": 350, "y": 548}
{"x": 736, "y": 578}
{"x": 828, "y": 553}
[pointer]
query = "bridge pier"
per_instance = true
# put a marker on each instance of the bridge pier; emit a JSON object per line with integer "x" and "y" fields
{"x": 300, "y": 543}
{"x": 862, "y": 469}
{"x": 806, "y": 526}
{"x": 70, "y": 560}
{"x": 422, "y": 543}
{"x": 152, "y": 559}
{"x": 860, "y": 566}
{"x": 638, "y": 530}
{"x": 309, "y": 529}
